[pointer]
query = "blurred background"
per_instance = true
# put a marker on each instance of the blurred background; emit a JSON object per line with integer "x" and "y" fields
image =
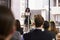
{"x": 49, "y": 9}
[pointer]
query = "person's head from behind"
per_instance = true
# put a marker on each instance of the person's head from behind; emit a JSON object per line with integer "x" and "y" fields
{"x": 7, "y": 22}
{"x": 53, "y": 27}
{"x": 38, "y": 19}
{"x": 52, "y": 24}
{"x": 27, "y": 10}
{"x": 46, "y": 25}
{"x": 18, "y": 26}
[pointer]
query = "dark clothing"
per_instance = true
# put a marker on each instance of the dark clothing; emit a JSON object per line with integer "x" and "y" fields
{"x": 37, "y": 34}
{"x": 26, "y": 20}
{"x": 27, "y": 17}
{"x": 20, "y": 30}
{"x": 53, "y": 34}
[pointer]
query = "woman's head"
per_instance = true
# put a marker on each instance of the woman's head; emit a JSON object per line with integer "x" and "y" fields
{"x": 52, "y": 24}
{"x": 27, "y": 10}
{"x": 7, "y": 21}
{"x": 18, "y": 25}
{"x": 53, "y": 27}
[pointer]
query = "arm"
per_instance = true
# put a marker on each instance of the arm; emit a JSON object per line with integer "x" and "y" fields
{"x": 23, "y": 15}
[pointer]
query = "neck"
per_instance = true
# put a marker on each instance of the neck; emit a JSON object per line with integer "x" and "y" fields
{"x": 41, "y": 28}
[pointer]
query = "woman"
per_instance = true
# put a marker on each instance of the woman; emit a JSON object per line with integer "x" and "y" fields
{"x": 46, "y": 27}
{"x": 19, "y": 29}
{"x": 27, "y": 14}
{"x": 27, "y": 20}
{"x": 53, "y": 27}
{"x": 17, "y": 34}
{"x": 7, "y": 23}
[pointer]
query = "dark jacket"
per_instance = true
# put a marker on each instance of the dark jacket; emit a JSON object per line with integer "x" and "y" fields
{"x": 37, "y": 34}
{"x": 52, "y": 34}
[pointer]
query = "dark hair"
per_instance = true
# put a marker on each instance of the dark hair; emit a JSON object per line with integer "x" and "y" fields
{"x": 52, "y": 23}
{"x": 53, "y": 27}
{"x": 38, "y": 20}
{"x": 46, "y": 25}
{"x": 27, "y": 10}
{"x": 18, "y": 26}
{"x": 6, "y": 21}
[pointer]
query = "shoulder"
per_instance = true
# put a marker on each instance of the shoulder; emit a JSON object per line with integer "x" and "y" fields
{"x": 50, "y": 34}
{"x": 17, "y": 33}
{"x": 16, "y": 36}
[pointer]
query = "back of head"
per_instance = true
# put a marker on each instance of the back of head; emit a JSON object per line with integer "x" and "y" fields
{"x": 46, "y": 25}
{"x": 38, "y": 20}
{"x": 6, "y": 21}
{"x": 18, "y": 25}
{"x": 52, "y": 23}
{"x": 53, "y": 27}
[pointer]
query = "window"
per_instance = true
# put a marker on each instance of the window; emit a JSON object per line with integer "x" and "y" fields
{"x": 58, "y": 2}
{"x": 54, "y": 2}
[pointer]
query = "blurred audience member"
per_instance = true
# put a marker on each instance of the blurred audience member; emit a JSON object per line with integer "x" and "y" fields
{"x": 19, "y": 27}
{"x": 46, "y": 27}
{"x": 39, "y": 33}
{"x": 17, "y": 34}
{"x": 7, "y": 23}
{"x": 53, "y": 27}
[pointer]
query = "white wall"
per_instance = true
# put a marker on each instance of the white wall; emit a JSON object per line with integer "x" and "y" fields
{"x": 18, "y": 7}
{"x": 35, "y": 4}
{"x": 15, "y": 6}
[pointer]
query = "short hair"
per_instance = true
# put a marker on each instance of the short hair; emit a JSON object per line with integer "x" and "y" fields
{"x": 46, "y": 25}
{"x": 39, "y": 20}
{"x": 6, "y": 21}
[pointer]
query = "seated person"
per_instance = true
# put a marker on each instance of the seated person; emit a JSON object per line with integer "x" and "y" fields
{"x": 7, "y": 23}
